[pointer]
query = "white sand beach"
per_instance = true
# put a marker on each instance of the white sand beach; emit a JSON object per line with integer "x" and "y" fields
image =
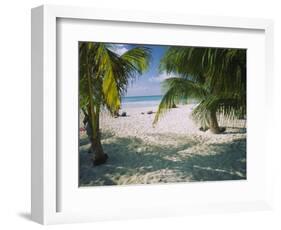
{"x": 175, "y": 150}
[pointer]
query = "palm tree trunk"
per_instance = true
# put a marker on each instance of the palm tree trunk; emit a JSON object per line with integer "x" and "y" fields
{"x": 96, "y": 138}
{"x": 213, "y": 123}
{"x": 99, "y": 157}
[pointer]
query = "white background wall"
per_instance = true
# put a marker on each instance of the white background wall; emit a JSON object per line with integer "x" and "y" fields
{"x": 15, "y": 112}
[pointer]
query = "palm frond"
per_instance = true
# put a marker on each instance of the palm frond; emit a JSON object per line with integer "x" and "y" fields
{"x": 226, "y": 105}
{"x": 110, "y": 72}
{"x": 139, "y": 57}
{"x": 220, "y": 71}
{"x": 119, "y": 71}
{"x": 178, "y": 90}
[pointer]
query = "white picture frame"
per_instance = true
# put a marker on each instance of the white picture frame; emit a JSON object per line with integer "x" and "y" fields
{"x": 45, "y": 168}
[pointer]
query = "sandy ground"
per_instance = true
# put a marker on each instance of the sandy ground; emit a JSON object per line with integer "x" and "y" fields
{"x": 172, "y": 151}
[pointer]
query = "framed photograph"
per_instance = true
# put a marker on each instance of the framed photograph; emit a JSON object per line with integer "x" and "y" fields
{"x": 141, "y": 114}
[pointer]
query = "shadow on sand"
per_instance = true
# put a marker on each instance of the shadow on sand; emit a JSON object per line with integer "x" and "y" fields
{"x": 226, "y": 162}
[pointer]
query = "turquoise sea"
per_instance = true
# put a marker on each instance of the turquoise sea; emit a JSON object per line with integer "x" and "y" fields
{"x": 141, "y": 101}
{"x": 147, "y": 101}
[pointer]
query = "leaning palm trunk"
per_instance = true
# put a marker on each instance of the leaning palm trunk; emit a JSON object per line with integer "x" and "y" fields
{"x": 94, "y": 134}
{"x": 103, "y": 79}
{"x": 213, "y": 123}
{"x": 99, "y": 156}
{"x": 214, "y": 76}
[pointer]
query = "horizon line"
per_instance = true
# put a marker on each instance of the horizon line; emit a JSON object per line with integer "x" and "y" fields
{"x": 143, "y": 95}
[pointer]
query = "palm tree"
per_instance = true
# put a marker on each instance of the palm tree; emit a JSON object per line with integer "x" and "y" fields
{"x": 215, "y": 77}
{"x": 103, "y": 79}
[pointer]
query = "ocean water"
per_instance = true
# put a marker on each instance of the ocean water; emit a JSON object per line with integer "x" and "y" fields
{"x": 140, "y": 101}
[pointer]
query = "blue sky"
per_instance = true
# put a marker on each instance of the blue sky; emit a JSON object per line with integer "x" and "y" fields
{"x": 150, "y": 82}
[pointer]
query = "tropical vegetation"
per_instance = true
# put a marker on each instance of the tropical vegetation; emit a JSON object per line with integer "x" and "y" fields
{"x": 103, "y": 78}
{"x": 215, "y": 77}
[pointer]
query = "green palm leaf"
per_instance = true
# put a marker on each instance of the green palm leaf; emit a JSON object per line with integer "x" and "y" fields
{"x": 178, "y": 90}
{"x": 103, "y": 78}
{"x": 139, "y": 57}
{"x": 221, "y": 72}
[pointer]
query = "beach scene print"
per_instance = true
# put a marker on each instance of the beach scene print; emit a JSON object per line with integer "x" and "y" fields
{"x": 152, "y": 114}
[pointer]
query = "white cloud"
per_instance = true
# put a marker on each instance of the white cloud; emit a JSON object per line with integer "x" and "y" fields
{"x": 161, "y": 77}
{"x": 119, "y": 49}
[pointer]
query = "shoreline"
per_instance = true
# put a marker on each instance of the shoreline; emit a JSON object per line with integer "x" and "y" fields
{"x": 174, "y": 150}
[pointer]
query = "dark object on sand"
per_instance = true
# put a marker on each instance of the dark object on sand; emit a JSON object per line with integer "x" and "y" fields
{"x": 174, "y": 106}
{"x": 100, "y": 161}
{"x": 116, "y": 114}
{"x": 123, "y": 114}
{"x": 142, "y": 112}
{"x": 150, "y": 112}
{"x": 204, "y": 129}
{"x": 222, "y": 129}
